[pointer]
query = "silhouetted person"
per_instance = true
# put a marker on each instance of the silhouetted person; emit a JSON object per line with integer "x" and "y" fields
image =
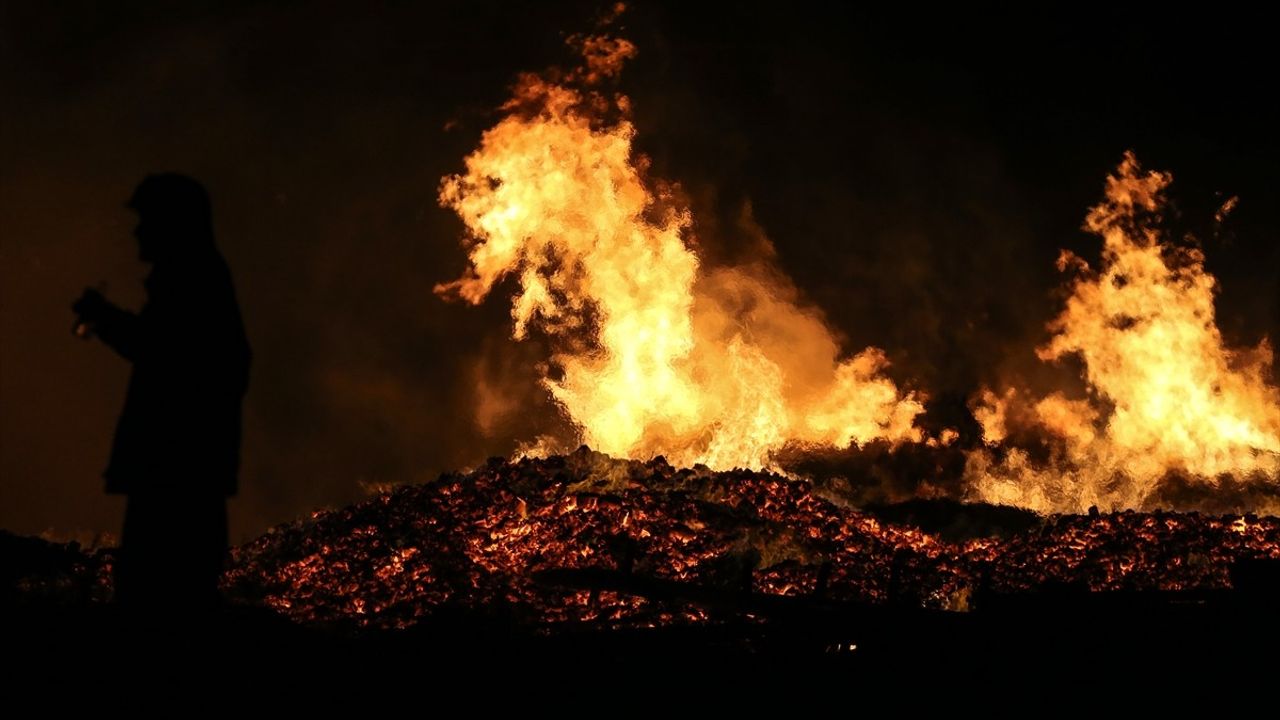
{"x": 176, "y": 452}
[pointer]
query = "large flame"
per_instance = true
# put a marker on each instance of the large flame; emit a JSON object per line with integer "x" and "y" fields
{"x": 1167, "y": 395}
{"x": 655, "y": 353}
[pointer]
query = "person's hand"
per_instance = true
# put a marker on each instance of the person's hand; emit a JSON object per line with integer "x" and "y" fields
{"x": 90, "y": 307}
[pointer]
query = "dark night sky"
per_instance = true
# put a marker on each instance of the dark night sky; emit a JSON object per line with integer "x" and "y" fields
{"x": 917, "y": 172}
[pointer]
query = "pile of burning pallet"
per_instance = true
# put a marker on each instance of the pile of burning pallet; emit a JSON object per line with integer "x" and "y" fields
{"x": 586, "y": 538}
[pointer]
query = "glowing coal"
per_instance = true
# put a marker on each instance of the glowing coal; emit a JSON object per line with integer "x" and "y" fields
{"x": 481, "y": 540}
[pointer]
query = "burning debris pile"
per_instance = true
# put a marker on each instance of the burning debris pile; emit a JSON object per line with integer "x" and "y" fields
{"x": 39, "y": 571}
{"x": 497, "y": 536}
{"x": 652, "y": 352}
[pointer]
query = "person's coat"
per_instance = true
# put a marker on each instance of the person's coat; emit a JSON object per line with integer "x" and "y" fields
{"x": 181, "y": 424}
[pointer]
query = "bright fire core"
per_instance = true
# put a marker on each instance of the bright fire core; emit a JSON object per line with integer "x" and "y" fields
{"x": 656, "y": 353}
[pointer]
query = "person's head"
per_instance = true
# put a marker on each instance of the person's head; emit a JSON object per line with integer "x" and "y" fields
{"x": 174, "y": 217}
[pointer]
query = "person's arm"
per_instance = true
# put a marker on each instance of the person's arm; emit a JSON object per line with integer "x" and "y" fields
{"x": 119, "y": 329}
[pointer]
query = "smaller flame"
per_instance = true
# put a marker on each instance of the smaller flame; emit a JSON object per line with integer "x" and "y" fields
{"x": 1167, "y": 394}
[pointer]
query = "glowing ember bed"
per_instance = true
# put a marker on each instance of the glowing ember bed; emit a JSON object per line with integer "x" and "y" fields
{"x": 587, "y": 539}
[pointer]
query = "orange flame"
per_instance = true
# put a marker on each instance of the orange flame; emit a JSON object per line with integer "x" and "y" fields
{"x": 655, "y": 353}
{"x": 1180, "y": 401}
